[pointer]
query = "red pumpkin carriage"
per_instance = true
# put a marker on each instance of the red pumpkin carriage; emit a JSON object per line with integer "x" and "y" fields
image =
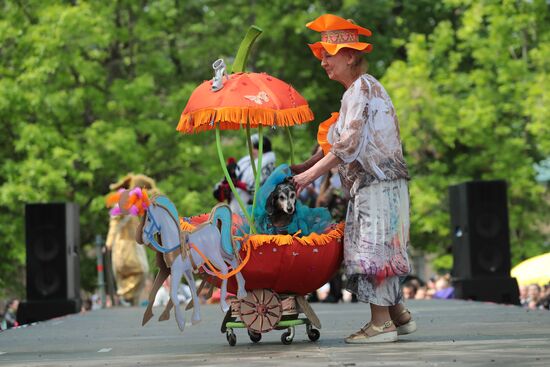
{"x": 280, "y": 269}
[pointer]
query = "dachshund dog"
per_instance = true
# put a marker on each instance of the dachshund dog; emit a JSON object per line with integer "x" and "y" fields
{"x": 281, "y": 205}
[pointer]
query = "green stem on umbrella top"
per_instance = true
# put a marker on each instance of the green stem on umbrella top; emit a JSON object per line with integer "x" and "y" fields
{"x": 239, "y": 66}
{"x": 291, "y": 143}
{"x": 244, "y": 49}
{"x": 259, "y": 170}
{"x": 230, "y": 181}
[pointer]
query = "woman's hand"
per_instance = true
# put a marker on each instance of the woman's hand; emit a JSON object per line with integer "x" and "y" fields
{"x": 302, "y": 181}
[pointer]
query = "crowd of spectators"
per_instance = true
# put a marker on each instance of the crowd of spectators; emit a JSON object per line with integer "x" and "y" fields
{"x": 535, "y": 297}
{"x": 437, "y": 287}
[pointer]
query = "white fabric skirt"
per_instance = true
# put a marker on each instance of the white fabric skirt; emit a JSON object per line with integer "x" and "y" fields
{"x": 376, "y": 239}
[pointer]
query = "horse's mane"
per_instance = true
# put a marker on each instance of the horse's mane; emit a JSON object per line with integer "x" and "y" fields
{"x": 167, "y": 224}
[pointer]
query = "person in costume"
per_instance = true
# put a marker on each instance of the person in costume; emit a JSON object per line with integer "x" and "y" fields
{"x": 129, "y": 260}
{"x": 363, "y": 142}
{"x": 222, "y": 191}
{"x": 9, "y": 319}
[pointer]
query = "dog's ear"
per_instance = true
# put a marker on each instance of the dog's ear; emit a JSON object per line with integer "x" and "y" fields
{"x": 288, "y": 180}
{"x": 270, "y": 205}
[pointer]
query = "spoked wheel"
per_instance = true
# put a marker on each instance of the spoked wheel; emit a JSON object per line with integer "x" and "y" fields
{"x": 260, "y": 310}
{"x": 255, "y": 337}
{"x": 231, "y": 337}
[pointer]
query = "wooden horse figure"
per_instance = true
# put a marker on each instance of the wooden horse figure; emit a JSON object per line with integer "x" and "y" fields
{"x": 185, "y": 252}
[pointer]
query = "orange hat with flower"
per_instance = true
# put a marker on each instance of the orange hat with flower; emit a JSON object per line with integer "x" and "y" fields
{"x": 337, "y": 33}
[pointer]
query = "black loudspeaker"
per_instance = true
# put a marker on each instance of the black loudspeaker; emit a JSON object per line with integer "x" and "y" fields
{"x": 52, "y": 234}
{"x": 481, "y": 242}
{"x": 499, "y": 290}
{"x": 479, "y": 227}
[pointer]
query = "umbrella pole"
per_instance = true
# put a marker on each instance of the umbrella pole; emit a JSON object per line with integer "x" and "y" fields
{"x": 230, "y": 181}
{"x": 238, "y": 67}
{"x": 291, "y": 145}
{"x": 259, "y": 170}
{"x": 249, "y": 143}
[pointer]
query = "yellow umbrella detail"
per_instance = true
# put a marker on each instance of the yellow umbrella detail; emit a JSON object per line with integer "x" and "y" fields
{"x": 535, "y": 270}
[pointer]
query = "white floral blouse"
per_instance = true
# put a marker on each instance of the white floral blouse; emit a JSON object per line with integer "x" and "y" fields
{"x": 366, "y": 136}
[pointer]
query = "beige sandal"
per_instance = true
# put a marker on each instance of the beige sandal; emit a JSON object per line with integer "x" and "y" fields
{"x": 408, "y": 327}
{"x": 379, "y": 336}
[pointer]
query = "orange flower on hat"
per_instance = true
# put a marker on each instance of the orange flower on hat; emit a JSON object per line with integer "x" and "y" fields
{"x": 337, "y": 33}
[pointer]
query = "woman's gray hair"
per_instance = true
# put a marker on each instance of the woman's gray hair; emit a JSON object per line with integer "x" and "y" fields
{"x": 359, "y": 61}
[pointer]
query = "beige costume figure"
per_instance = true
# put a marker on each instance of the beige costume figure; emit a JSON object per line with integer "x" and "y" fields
{"x": 129, "y": 259}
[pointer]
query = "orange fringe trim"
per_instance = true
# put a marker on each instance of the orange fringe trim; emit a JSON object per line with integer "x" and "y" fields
{"x": 186, "y": 227}
{"x": 234, "y": 118}
{"x": 322, "y": 133}
{"x": 258, "y": 240}
{"x": 193, "y": 222}
{"x": 313, "y": 239}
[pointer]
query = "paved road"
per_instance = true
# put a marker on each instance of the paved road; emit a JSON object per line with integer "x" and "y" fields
{"x": 451, "y": 333}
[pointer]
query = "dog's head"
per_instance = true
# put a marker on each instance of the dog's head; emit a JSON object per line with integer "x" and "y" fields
{"x": 282, "y": 199}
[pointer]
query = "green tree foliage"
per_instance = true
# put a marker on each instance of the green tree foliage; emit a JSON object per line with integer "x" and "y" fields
{"x": 90, "y": 91}
{"x": 473, "y": 101}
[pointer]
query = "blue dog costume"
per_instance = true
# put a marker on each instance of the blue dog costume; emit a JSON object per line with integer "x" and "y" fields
{"x": 308, "y": 220}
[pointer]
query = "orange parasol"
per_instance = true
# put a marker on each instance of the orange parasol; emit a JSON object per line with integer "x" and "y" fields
{"x": 254, "y": 98}
{"x": 243, "y": 100}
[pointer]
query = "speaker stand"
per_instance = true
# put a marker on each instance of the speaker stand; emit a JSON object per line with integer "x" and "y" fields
{"x": 33, "y": 311}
